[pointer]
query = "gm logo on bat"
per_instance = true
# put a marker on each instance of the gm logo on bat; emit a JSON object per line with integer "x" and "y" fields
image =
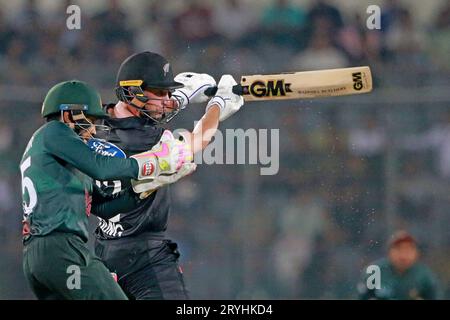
{"x": 357, "y": 81}
{"x": 261, "y": 89}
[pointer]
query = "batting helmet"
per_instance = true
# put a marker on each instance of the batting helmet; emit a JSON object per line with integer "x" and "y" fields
{"x": 141, "y": 71}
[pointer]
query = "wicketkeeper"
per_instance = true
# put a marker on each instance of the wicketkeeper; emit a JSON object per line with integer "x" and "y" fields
{"x": 58, "y": 169}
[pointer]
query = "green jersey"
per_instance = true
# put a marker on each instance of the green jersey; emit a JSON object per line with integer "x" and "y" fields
{"x": 58, "y": 192}
{"x": 418, "y": 282}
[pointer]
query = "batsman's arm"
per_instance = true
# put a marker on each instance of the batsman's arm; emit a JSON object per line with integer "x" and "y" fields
{"x": 63, "y": 143}
{"x": 108, "y": 207}
{"x": 204, "y": 130}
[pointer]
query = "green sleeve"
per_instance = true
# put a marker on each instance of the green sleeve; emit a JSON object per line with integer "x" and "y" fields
{"x": 107, "y": 207}
{"x": 64, "y": 143}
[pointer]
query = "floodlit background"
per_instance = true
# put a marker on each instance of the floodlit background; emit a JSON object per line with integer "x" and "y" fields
{"x": 352, "y": 169}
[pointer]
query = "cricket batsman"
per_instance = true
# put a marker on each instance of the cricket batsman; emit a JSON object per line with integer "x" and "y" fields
{"x": 58, "y": 194}
{"x": 133, "y": 243}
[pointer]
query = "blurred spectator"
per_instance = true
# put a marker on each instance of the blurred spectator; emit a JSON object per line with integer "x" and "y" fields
{"x": 368, "y": 139}
{"x": 405, "y": 43}
{"x": 443, "y": 16}
{"x": 283, "y": 15}
{"x": 300, "y": 222}
{"x": 390, "y": 13}
{"x": 13, "y": 68}
{"x": 350, "y": 208}
{"x": 30, "y": 27}
{"x": 404, "y": 36}
{"x": 319, "y": 277}
{"x": 6, "y": 33}
{"x": 328, "y": 14}
{"x": 154, "y": 32}
{"x": 439, "y": 44}
{"x": 402, "y": 276}
{"x": 69, "y": 41}
{"x": 49, "y": 59}
{"x": 111, "y": 26}
{"x": 351, "y": 40}
{"x": 194, "y": 27}
{"x": 320, "y": 54}
{"x": 416, "y": 195}
{"x": 282, "y": 23}
{"x": 234, "y": 19}
{"x": 437, "y": 138}
{"x": 374, "y": 49}
{"x": 29, "y": 15}
{"x": 6, "y": 205}
{"x": 6, "y": 136}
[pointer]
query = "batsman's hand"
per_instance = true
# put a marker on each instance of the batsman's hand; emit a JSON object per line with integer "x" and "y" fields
{"x": 228, "y": 102}
{"x": 195, "y": 85}
{"x": 165, "y": 158}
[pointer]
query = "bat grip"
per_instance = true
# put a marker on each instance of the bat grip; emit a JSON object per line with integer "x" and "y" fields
{"x": 210, "y": 92}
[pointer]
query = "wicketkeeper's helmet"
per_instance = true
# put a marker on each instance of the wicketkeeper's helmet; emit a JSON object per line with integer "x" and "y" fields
{"x": 73, "y": 95}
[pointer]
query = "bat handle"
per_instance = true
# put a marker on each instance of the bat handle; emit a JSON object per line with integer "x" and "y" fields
{"x": 210, "y": 92}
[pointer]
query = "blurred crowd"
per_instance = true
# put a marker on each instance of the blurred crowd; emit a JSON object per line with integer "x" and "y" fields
{"x": 307, "y": 231}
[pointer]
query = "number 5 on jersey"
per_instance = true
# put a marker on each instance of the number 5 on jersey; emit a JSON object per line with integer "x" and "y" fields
{"x": 28, "y": 186}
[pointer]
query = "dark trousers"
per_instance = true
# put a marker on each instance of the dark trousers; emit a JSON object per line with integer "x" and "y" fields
{"x": 146, "y": 269}
{"x": 60, "y": 266}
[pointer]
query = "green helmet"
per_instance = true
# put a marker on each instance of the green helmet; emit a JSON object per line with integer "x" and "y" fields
{"x": 73, "y": 95}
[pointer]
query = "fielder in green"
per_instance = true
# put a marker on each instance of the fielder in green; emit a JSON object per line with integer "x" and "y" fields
{"x": 401, "y": 275}
{"x": 59, "y": 194}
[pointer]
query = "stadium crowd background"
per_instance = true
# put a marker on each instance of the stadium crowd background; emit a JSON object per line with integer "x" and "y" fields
{"x": 352, "y": 170}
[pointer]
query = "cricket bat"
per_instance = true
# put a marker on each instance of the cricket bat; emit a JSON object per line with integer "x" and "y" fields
{"x": 303, "y": 85}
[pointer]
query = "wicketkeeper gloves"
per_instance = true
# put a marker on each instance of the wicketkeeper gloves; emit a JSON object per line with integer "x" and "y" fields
{"x": 167, "y": 162}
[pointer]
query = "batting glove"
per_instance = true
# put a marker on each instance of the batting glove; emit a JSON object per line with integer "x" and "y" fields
{"x": 228, "y": 102}
{"x": 195, "y": 85}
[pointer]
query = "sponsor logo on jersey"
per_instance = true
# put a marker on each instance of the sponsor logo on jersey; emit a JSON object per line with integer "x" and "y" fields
{"x": 105, "y": 148}
{"x": 111, "y": 227}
